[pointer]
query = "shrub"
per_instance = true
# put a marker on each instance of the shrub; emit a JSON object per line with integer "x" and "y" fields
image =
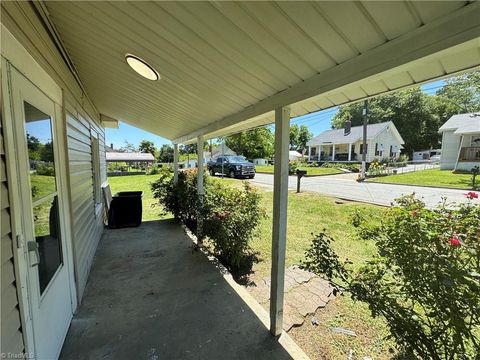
{"x": 293, "y": 166}
{"x": 353, "y": 167}
{"x": 230, "y": 216}
{"x": 425, "y": 279}
{"x": 45, "y": 169}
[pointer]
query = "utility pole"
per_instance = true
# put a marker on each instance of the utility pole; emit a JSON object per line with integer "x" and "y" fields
{"x": 364, "y": 150}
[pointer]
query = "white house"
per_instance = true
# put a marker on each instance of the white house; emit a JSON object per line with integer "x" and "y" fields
{"x": 461, "y": 142}
{"x": 294, "y": 155}
{"x": 383, "y": 140}
{"x": 260, "y": 162}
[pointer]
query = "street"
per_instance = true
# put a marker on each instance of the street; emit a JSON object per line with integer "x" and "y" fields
{"x": 344, "y": 186}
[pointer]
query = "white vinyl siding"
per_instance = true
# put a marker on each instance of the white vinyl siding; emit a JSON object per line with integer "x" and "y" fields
{"x": 11, "y": 331}
{"x": 21, "y": 19}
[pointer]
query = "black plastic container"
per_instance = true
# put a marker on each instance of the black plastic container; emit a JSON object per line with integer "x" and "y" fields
{"x": 125, "y": 209}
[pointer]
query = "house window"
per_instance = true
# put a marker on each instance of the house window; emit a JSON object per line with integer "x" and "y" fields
{"x": 97, "y": 190}
{"x": 378, "y": 150}
{"x": 361, "y": 148}
{"x": 391, "y": 151}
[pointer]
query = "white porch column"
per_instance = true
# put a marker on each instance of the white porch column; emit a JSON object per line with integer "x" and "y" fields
{"x": 309, "y": 153}
{"x": 175, "y": 163}
{"x": 333, "y": 152}
{"x": 279, "y": 230}
{"x": 319, "y": 152}
{"x": 200, "y": 190}
{"x": 349, "y": 152}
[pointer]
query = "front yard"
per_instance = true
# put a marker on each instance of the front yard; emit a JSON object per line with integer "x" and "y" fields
{"x": 307, "y": 213}
{"x": 310, "y": 170}
{"x": 430, "y": 177}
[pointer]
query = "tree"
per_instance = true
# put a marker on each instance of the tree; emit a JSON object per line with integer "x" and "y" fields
{"x": 147, "y": 146}
{"x": 127, "y": 147}
{"x": 46, "y": 152}
{"x": 304, "y": 136}
{"x": 460, "y": 94}
{"x": 165, "y": 154}
{"x": 412, "y": 111}
{"x": 253, "y": 144}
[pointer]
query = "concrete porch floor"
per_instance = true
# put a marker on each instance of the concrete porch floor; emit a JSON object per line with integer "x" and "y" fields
{"x": 150, "y": 296}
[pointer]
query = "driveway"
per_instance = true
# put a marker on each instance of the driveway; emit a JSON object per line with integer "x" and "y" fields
{"x": 344, "y": 186}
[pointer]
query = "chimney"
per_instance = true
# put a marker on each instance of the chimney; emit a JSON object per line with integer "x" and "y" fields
{"x": 111, "y": 145}
{"x": 348, "y": 126}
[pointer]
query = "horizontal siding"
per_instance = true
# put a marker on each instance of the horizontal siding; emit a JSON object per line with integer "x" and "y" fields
{"x": 11, "y": 337}
{"x": 87, "y": 228}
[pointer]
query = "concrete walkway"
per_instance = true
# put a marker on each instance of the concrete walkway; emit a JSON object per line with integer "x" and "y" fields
{"x": 151, "y": 296}
{"x": 344, "y": 186}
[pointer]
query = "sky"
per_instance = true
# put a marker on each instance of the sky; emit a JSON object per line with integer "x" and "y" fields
{"x": 316, "y": 123}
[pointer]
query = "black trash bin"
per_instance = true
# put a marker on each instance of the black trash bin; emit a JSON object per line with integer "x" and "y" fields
{"x": 125, "y": 209}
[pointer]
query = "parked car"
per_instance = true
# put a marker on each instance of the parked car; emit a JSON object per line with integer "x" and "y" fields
{"x": 233, "y": 166}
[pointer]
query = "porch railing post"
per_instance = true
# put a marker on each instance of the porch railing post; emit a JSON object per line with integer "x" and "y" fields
{"x": 175, "y": 163}
{"x": 279, "y": 230}
{"x": 200, "y": 189}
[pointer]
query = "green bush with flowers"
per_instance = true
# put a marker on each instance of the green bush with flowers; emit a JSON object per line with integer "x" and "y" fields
{"x": 230, "y": 216}
{"x": 424, "y": 280}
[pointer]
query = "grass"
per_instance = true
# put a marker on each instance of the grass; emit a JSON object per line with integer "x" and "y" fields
{"x": 310, "y": 170}
{"x": 430, "y": 177}
{"x": 307, "y": 213}
{"x": 139, "y": 183}
{"x": 42, "y": 185}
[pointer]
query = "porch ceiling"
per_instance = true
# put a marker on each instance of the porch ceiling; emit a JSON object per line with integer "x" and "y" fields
{"x": 225, "y": 66}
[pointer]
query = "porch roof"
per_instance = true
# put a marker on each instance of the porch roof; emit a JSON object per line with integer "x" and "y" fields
{"x": 225, "y": 66}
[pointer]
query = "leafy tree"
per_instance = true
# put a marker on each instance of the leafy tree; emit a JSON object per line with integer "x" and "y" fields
{"x": 253, "y": 144}
{"x": 412, "y": 111}
{"x": 34, "y": 146}
{"x": 46, "y": 152}
{"x": 127, "y": 147}
{"x": 460, "y": 94}
{"x": 165, "y": 154}
{"x": 147, "y": 146}
{"x": 304, "y": 136}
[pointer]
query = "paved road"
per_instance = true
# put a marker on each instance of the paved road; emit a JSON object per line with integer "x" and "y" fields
{"x": 344, "y": 186}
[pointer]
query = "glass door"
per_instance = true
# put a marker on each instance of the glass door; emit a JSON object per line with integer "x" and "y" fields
{"x": 43, "y": 219}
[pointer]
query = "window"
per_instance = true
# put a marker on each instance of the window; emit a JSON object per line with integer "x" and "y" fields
{"x": 361, "y": 148}
{"x": 391, "y": 151}
{"x": 97, "y": 191}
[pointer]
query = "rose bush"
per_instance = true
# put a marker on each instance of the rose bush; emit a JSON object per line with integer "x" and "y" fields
{"x": 424, "y": 280}
{"x": 230, "y": 216}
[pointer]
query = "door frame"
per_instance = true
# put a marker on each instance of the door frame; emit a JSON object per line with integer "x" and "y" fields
{"x": 15, "y": 56}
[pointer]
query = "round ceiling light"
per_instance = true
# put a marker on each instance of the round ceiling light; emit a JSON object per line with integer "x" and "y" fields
{"x": 141, "y": 67}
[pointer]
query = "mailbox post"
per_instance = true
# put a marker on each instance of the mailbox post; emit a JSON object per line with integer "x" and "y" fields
{"x": 300, "y": 174}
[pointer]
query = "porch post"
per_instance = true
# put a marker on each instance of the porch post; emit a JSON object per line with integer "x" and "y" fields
{"x": 200, "y": 190}
{"x": 319, "y": 152}
{"x": 175, "y": 163}
{"x": 349, "y": 152}
{"x": 333, "y": 152}
{"x": 279, "y": 230}
{"x": 309, "y": 153}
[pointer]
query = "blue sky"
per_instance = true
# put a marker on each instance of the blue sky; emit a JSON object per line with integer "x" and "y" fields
{"x": 316, "y": 122}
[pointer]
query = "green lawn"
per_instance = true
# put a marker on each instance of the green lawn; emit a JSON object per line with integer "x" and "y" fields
{"x": 431, "y": 177}
{"x": 42, "y": 185}
{"x": 139, "y": 183}
{"x": 307, "y": 213}
{"x": 310, "y": 170}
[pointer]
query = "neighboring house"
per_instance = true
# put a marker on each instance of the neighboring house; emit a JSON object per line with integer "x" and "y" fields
{"x": 294, "y": 155}
{"x": 383, "y": 140}
{"x": 260, "y": 162}
{"x": 426, "y": 155}
{"x": 217, "y": 151}
{"x": 188, "y": 164}
{"x": 461, "y": 142}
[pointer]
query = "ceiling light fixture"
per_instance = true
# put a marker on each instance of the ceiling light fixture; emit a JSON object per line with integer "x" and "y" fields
{"x": 141, "y": 67}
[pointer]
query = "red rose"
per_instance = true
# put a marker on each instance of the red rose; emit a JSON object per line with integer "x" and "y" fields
{"x": 454, "y": 241}
{"x": 471, "y": 195}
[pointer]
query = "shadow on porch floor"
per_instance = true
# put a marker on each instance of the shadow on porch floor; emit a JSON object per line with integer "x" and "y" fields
{"x": 150, "y": 296}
